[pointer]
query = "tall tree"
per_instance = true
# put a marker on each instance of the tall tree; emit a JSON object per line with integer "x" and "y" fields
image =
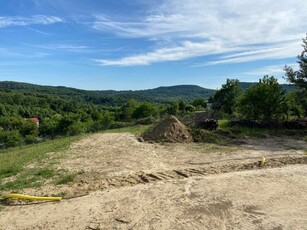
{"x": 226, "y": 98}
{"x": 299, "y": 77}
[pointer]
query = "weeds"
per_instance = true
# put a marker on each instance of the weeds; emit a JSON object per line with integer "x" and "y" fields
{"x": 66, "y": 179}
{"x": 14, "y": 160}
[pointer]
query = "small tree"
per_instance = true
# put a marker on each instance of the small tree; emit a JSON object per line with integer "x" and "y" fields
{"x": 264, "y": 101}
{"x": 128, "y": 109}
{"x": 226, "y": 99}
{"x": 173, "y": 108}
{"x": 146, "y": 109}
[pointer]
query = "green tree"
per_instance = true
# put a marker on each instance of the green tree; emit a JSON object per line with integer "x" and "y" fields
{"x": 294, "y": 104}
{"x": 107, "y": 119}
{"x": 226, "y": 99}
{"x": 173, "y": 108}
{"x": 200, "y": 103}
{"x": 28, "y": 127}
{"x": 299, "y": 77}
{"x": 264, "y": 101}
{"x": 146, "y": 109}
{"x": 182, "y": 106}
{"x": 128, "y": 109}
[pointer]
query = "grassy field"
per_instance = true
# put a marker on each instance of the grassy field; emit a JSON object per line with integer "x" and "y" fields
{"x": 14, "y": 175}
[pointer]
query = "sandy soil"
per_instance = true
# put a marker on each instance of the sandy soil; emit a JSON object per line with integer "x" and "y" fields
{"x": 131, "y": 185}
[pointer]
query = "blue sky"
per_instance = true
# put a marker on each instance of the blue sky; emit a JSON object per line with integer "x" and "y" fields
{"x": 141, "y": 44}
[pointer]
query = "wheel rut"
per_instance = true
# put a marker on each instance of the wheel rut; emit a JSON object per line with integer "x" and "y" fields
{"x": 183, "y": 173}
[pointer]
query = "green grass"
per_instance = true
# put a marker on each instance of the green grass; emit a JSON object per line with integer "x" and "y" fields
{"x": 13, "y": 162}
{"x": 65, "y": 179}
{"x": 137, "y": 130}
{"x": 44, "y": 173}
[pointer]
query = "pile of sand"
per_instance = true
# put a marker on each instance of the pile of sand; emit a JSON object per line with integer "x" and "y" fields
{"x": 169, "y": 130}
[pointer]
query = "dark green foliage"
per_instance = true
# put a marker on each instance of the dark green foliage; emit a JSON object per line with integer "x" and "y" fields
{"x": 10, "y": 138}
{"x": 128, "y": 109}
{"x": 173, "y": 108}
{"x": 199, "y": 102}
{"x": 160, "y": 95}
{"x": 299, "y": 78}
{"x": 225, "y": 100}
{"x": 294, "y": 103}
{"x": 264, "y": 102}
{"x": 182, "y": 105}
{"x": 286, "y": 87}
{"x": 190, "y": 108}
{"x": 146, "y": 109}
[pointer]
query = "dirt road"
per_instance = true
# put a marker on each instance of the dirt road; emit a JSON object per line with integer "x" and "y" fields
{"x": 130, "y": 185}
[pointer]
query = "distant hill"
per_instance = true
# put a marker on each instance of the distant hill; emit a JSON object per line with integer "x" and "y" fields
{"x": 162, "y": 95}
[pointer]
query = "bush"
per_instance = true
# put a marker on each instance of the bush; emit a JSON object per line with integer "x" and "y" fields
{"x": 30, "y": 139}
{"x": 10, "y": 138}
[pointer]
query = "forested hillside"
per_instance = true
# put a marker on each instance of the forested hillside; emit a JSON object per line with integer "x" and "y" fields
{"x": 65, "y": 111}
{"x": 161, "y": 95}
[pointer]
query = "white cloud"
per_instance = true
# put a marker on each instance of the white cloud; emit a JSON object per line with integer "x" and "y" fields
{"x": 262, "y": 29}
{"x": 286, "y": 50}
{"x": 24, "y": 21}
{"x": 271, "y": 70}
{"x": 61, "y": 47}
{"x": 186, "y": 50}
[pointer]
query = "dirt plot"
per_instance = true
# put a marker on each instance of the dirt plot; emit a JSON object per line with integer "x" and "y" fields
{"x": 126, "y": 184}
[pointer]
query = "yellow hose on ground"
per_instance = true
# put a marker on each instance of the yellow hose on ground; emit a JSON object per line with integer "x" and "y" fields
{"x": 20, "y": 196}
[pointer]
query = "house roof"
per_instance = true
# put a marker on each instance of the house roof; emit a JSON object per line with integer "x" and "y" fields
{"x": 35, "y": 119}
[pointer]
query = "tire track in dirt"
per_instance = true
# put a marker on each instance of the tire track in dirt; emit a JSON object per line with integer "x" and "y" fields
{"x": 170, "y": 175}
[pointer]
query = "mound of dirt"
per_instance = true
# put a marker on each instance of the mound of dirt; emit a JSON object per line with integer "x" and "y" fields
{"x": 169, "y": 130}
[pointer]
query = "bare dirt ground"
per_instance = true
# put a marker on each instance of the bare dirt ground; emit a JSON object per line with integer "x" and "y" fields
{"x": 124, "y": 184}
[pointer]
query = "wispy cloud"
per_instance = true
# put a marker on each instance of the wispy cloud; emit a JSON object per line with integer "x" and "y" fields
{"x": 61, "y": 47}
{"x": 15, "y": 54}
{"x": 186, "y": 50}
{"x": 286, "y": 50}
{"x": 271, "y": 70}
{"x": 38, "y": 31}
{"x": 25, "y": 21}
{"x": 250, "y": 30}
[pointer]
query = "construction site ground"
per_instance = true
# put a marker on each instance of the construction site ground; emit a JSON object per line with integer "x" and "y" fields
{"x": 121, "y": 183}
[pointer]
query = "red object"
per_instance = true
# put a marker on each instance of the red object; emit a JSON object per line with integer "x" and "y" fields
{"x": 35, "y": 119}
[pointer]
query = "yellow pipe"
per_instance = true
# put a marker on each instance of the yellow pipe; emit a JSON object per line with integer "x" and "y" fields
{"x": 20, "y": 196}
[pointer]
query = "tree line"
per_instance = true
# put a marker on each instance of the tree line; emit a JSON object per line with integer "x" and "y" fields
{"x": 266, "y": 101}
{"x": 60, "y": 115}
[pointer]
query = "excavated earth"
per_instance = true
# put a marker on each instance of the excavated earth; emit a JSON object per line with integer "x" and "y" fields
{"x": 125, "y": 184}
